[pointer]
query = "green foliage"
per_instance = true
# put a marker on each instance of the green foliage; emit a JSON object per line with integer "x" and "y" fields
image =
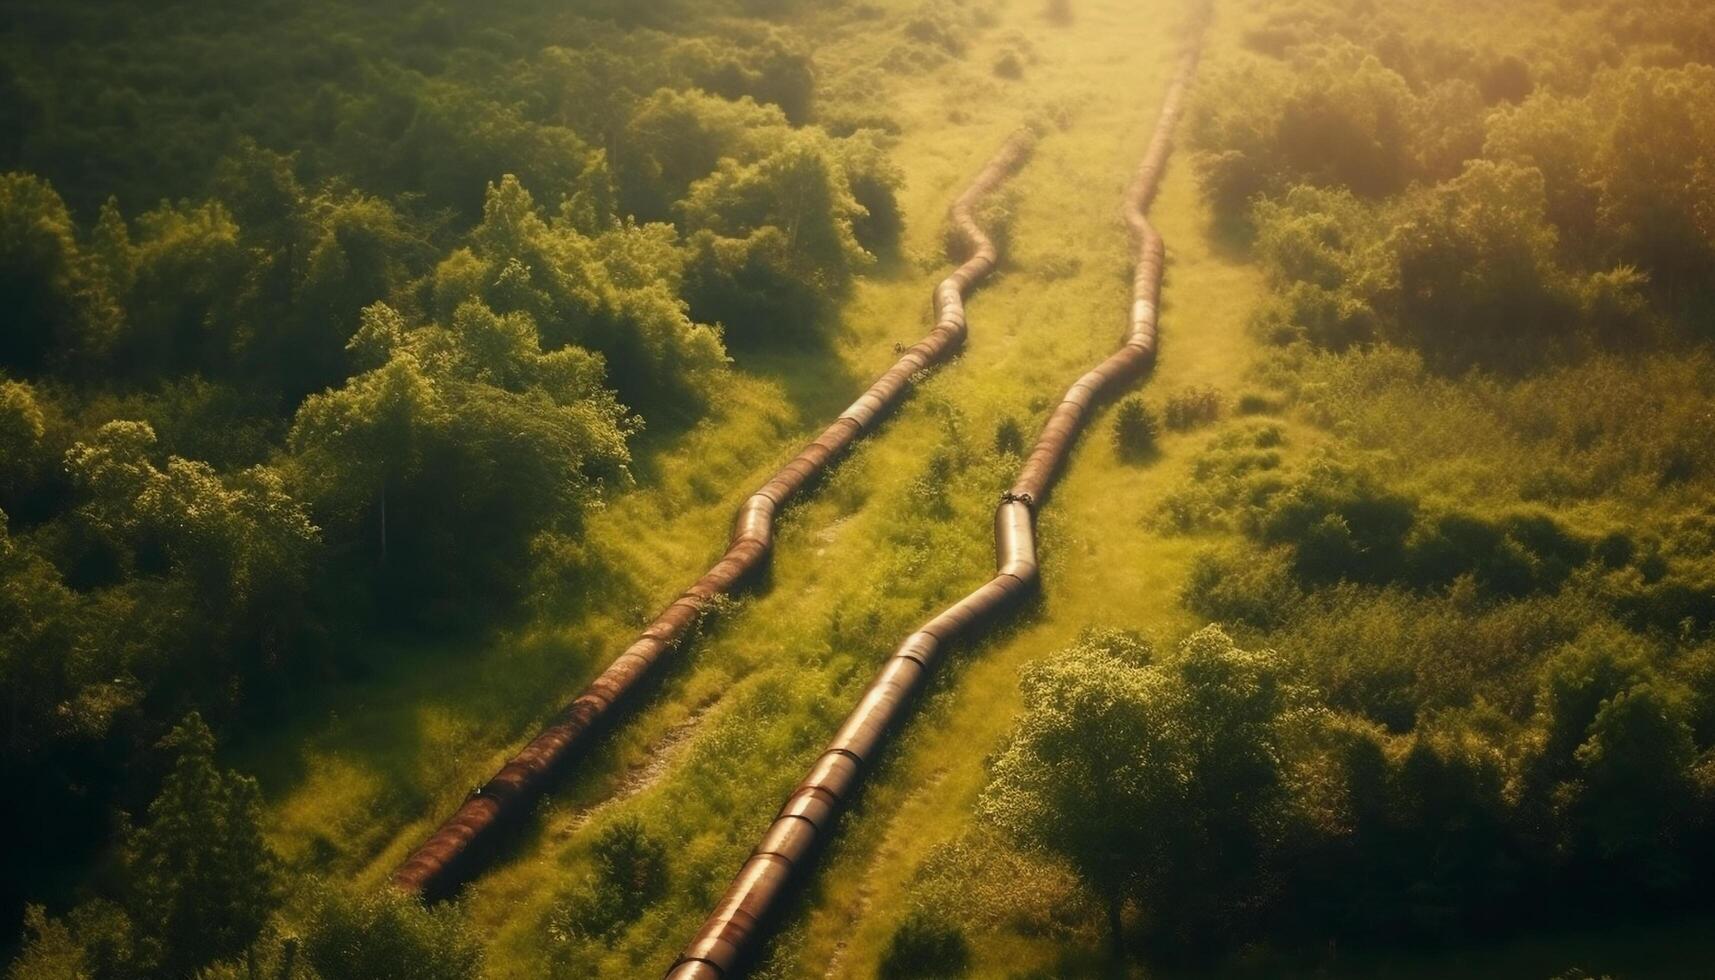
{"x": 1135, "y": 429}
{"x": 926, "y": 946}
{"x": 1277, "y": 817}
{"x": 386, "y": 935}
{"x": 630, "y": 875}
{"x": 203, "y": 878}
{"x": 1614, "y": 763}
{"x": 1236, "y": 475}
{"x": 1531, "y": 232}
{"x": 58, "y": 307}
{"x": 1254, "y": 590}
{"x": 1655, "y": 172}
{"x": 1477, "y": 275}
{"x": 331, "y": 321}
{"x": 1340, "y": 118}
{"x": 1148, "y": 777}
{"x": 243, "y": 542}
{"x": 23, "y": 430}
{"x": 1467, "y": 271}
{"x": 198, "y": 882}
{"x": 467, "y": 439}
{"x": 614, "y": 293}
{"x": 50, "y": 951}
{"x": 1189, "y": 408}
{"x": 773, "y": 241}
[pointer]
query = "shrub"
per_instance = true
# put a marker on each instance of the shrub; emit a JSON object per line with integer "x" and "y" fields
{"x": 925, "y": 946}
{"x": 1009, "y": 437}
{"x": 1255, "y": 590}
{"x": 1135, "y": 429}
{"x": 938, "y": 24}
{"x": 630, "y": 874}
{"x": 1191, "y": 407}
{"x": 1255, "y": 403}
{"x": 387, "y": 935}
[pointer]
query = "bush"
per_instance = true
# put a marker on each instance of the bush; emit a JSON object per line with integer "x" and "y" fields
{"x": 1255, "y": 590}
{"x": 630, "y": 875}
{"x": 1255, "y": 403}
{"x": 925, "y": 946}
{"x": 387, "y": 935}
{"x": 1009, "y": 437}
{"x": 1189, "y": 408}
{"x": 1135, "y": 429}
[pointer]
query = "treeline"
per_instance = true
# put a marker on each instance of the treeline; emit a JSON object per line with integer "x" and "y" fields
{"x": 1490, "y": 209}
{"x": 328, "y": 321}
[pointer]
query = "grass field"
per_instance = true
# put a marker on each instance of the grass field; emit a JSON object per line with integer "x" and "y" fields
{"x": 707, "y": 759}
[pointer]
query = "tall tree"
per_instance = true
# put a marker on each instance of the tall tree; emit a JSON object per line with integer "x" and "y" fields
{"x": 204, "y": 882}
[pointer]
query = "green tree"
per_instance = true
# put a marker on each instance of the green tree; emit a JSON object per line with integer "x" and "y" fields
{"x": 22, "y": 428}
{"x": 776, "y": 239}
{"x": 241, "y": 544}
{"x": 50, "y": 951}
{"x": 1656, "y": 170}
{"x": 183, "y": 305}
{"x": 56, "y": 310}
{"x": 1160, "y": 781}
{"x": 1478, "y": 277}
{"x": 203, "y": 879}
{"x": 1634, "y": 798}
{"x": 1091, "y": 771}
{"x": 467, "y": 439}
{"x": 677, "y": 138}
{"x": 614, "y": 294}
{"x": 1558, "y": 136}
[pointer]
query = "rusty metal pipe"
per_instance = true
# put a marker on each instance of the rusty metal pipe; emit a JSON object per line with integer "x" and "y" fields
{"x": 732, "y": 932}
{"x": 452, "y": 853}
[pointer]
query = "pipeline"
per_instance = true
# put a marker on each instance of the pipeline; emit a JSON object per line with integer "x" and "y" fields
{"x": 453, "y": 852}
{"x": 732, "y": 932}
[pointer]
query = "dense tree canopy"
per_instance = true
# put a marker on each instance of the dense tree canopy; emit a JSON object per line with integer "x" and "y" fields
{"x": 327, "y": 322}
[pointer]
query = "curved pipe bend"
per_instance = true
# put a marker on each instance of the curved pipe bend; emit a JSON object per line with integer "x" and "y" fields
{"x": 732, "y": 930}
{"x": 451, "y": 854}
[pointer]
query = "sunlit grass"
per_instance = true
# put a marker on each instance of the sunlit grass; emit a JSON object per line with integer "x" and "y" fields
{"x": 738, "y": 717}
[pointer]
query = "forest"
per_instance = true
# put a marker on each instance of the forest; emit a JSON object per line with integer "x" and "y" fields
{"x": 371, "y": 373}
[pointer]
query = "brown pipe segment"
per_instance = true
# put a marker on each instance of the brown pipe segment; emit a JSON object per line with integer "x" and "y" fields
{"x": 450, "y": 854}
{"x": 732, "y": 929}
